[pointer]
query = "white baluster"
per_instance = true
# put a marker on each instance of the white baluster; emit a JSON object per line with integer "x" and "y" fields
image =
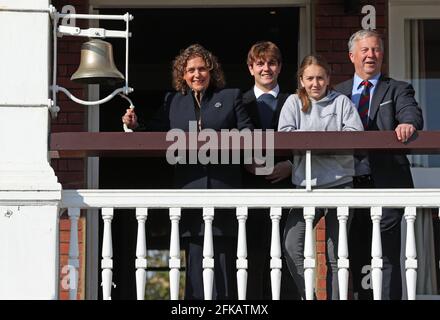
{"x": 376, "y": 254}
{"x": 73, "y": 261}
{"x": 411, "y": 253}
{"x": 107, "y": 254}
{"x": 208, "y": 254}
{"x": 309, "y": 170}
{"x": 343, "y": 262}
{"x": 174, "y": 262}
{"x": 309, "y": 253}
{"x": 242, "y": 263}
{"x": 141, "y": 253}
{"x": 275, "y": 253}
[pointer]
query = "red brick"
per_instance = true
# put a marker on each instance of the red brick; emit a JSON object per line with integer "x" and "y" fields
{"x": 64, "y": 223}
{"x": 321, "y": 283}
{"x": 67, "y": 128}
{"x": 64, "y": 248}
{"x": 76, "y": 118}
{"x": 323, "y": 45}
{"x": 321, "y": 258}
{"x": 320, "y": 235}
{"x": 70, "y": 106}
{"x": 347, "y": 21}
{"x": 321, "y": 295}
{"x": 322, "y": 21}
{"x": 336, "y": 57}
{"x": 329, "y": 10}
{"x": 69, "y": 84}
{"x": 336, "y": 68}
{"x": 322, "y": 271}
{"x": 320, "y": 246}
{"x": 332, "y": 33}
{"x": 68, "y": 58}
{"x": 64, "y": 237}
{"x": 340, "y": 45}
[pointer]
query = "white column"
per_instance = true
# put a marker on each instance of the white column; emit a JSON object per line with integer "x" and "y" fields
{"x": 141, "y": 253}
{"x": 376, "y": 254}
{"x": 174, "y": 262}
{"x": 208, "y": 254}
{"x": 411, "y": 253}
{"x": 275, "y": 253}
{"x": 343, "y": 262}
{"x": 107, "y": 254}
{"x": 242, "y": 262}
{"x": 309, "y": 253}
{"x": 28, "y": 185}
{"x": 73, "y": 263}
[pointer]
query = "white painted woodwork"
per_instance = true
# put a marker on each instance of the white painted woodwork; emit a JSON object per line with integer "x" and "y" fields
{"x": 174, "y": 262}
{"x": 275, "y": 253}
{"x": 141, "y": 253}
{"x": 208, "y": 254}
{"x": 376, "y": 254}
{"x": 107, "y": 254}
{"x": 242, "y": 199}
{"x": 24, "y": 84}
{"x": 309, "y": 253}
{"x": 251, "y": 198}
{"x": 73, "y": 261}
{"x": 343, "y": 262}
{"x": 29, "y": 263}
{"x": 411, "y": 253}
{"x": 29, "y": 190}
{"x": 309, "y": 170}
{"x": 242, "y": 262}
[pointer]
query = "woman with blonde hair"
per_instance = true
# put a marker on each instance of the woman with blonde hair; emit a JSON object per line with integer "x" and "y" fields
{"x": 316, "y": 107}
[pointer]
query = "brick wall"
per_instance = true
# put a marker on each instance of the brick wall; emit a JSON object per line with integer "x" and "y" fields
{"x": 71, "y": 173}
{"x": 335, "y": 21}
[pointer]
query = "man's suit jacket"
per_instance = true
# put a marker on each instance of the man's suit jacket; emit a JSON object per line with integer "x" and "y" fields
{"x": 392, "y": 103}
{"x": 250, "y": 104}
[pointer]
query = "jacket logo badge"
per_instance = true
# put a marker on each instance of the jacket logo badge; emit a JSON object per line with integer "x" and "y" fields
{"x": 218, "y": 104}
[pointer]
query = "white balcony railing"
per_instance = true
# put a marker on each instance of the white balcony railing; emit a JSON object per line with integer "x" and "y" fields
{"x": 275, "y": 199}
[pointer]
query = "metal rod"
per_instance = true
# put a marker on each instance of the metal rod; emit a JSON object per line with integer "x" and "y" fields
{"x": 126, "y": 49}
{"x": 88, "y": 103}
{"x": 55, "y": 60}
{"x": 26, "y": 10}
{"x": 309, "y": 170}
{"x": 93, "y": 16}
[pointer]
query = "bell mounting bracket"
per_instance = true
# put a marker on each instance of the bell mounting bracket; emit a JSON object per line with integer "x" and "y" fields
{"x": 60, "y": 30}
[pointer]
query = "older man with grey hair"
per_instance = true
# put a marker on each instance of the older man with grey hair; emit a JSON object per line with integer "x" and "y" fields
{"x": 383, "y": 104}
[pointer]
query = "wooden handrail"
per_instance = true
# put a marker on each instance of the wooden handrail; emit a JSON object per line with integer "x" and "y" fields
{"x": 154, "y": 144}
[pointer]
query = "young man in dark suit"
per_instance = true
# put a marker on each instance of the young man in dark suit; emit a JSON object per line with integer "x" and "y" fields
{"x": 263, "y": 103}
{"x": 383, "y": 104}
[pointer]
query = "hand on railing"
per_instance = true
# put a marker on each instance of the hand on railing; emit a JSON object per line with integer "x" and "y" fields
{"x": 404, "y": 131}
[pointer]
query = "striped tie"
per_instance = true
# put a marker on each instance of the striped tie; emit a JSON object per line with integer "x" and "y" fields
{"x": 364, "y": 103}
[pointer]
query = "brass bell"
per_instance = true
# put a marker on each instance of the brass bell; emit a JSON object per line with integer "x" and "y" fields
{"x": 97, "y": 65}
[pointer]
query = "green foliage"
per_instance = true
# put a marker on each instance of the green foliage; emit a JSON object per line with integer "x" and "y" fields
{"x": 158, "y": 284}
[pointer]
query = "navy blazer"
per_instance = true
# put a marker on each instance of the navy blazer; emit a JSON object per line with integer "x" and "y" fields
{"x": 392, "y": 103}
{"x": 220, "y": 109}
{"x": 250, "y": 104}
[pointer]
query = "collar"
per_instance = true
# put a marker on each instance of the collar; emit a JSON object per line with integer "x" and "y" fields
{"x": 357, "y": 80}
{"x": 275, "y": 91}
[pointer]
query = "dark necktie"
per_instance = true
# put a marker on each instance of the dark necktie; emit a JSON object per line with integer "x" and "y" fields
{"x": 267, "y": 104}
{"x": 364, "y": 103}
